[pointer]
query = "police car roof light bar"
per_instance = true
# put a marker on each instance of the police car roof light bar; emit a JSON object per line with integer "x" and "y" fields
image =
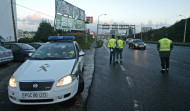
{"x": 61, "y": 38}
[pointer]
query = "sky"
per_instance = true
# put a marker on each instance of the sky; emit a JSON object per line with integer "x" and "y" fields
{"x": 154, "y": 13}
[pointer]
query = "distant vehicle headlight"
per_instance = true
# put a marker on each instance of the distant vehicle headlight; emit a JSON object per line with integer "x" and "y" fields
{"x": 12, "y": 81}
{"x": 136, "y": 44}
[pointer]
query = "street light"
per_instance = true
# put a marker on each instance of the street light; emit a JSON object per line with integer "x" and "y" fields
{"x": 185, "y": 27}
{"x": 98, "y": 23}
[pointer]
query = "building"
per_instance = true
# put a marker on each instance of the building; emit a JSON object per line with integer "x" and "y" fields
{"x": 129, "y": 31}
{"x": 6, "y": 20}
{"x": 146, "y": 29}
{"x": 25, "y": 34}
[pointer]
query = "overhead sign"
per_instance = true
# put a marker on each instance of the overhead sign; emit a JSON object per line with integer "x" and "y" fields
{"x": 89, "y": 19}
{"x": 114, "y": 27}
{"x": 106, "y": 26}
{"x": 123, "y": 27}
{"x": 66, "y": 23}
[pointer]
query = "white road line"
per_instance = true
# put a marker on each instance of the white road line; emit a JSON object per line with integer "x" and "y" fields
{"x": 106, "y": 48}
{"x": 136, "y": 105}
{"x": 130, "y": 82}
{"x": 122, "y": 67}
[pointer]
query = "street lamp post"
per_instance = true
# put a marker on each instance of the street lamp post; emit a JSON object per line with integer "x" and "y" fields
{"x": 98, "y": 24}
{"x": 185, "y": 27}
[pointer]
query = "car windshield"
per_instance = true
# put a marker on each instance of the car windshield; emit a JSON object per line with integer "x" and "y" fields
{"x": 137, "y": 41}
{"x": 55, "y": 51}
{"x": 26, "y": 47}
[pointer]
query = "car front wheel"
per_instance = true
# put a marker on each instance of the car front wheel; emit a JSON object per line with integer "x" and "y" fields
{"x": 80, "y": 85}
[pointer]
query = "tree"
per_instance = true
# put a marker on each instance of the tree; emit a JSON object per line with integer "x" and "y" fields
{"x": 44, "y": 31}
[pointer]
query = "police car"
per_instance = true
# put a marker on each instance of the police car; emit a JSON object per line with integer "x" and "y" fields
{"x": 52, "y": 74}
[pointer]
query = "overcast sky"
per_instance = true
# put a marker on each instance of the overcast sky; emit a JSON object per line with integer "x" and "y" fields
{"x": 155, "y": 13}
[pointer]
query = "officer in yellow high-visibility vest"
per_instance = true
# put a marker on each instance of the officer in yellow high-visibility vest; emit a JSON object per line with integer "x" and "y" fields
{"x": 112, "y": 46}
{"x": 119, "y": 49}
{"x": 164, "y": 47}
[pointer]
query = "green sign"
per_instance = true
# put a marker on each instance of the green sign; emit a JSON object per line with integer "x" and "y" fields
{"x": 68, "y": 23}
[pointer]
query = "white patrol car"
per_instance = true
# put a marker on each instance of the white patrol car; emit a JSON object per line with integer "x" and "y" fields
{"x": 52, "y": 74}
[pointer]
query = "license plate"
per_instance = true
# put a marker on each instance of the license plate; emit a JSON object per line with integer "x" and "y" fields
{"x": 34, "y": 95}
{"x": 5, "y": 60}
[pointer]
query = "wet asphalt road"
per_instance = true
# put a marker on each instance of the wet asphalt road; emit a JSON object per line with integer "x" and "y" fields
{"x": 137, "y": 84}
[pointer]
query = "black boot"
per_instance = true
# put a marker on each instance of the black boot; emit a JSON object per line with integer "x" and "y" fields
{"x": 162, "y": 71}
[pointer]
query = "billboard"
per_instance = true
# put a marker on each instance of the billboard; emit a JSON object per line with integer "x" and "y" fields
{"x": 66, "y": 23}
{"x": 89, "y": 19}
{"x": 64, "y": 8}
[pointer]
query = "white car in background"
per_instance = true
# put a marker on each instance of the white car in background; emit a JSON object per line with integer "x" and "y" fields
{"x": 52, "y": 74}
{"x": 6, "y": 55}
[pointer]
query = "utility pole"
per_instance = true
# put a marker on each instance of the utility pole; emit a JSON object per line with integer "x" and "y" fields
{"x": 185, "y": 27}
{"x": 14, "y": 27}
{"x": 134, "y": 31}
{"x": 98, "y": 25}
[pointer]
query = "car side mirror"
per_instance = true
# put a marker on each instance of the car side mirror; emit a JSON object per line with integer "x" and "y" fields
{"x": 81, "y": 53}
{"x": 30, "y": 54}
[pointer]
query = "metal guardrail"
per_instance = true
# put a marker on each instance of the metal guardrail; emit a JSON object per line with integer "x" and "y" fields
{"x": 175, "y": 43}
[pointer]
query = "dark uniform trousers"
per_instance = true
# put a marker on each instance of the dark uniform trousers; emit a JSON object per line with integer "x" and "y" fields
{"x": 165, "y": 62}
{"x": 112, "y": 55}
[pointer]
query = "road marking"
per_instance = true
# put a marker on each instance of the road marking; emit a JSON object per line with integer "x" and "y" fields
{"x": 136, "y": 105}
{"x": 106, "y": 48}
{"x": 130, "y": 82}
{"x": 122, "y": 67}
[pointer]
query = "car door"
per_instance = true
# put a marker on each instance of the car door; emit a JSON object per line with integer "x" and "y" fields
{"x": 81, "y": 56}
{"x": 16, "y": 52}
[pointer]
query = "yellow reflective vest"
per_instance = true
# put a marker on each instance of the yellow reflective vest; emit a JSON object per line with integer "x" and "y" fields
{"x": 112, "y": 43}
{"x": 120, "y": 44}
{"x": 165, "y": 44}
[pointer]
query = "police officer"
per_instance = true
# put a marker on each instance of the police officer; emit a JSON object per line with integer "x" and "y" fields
{"x": 119, "y": 49}
{"x": 112, "y": 46}
{"x": 164, "y": 47}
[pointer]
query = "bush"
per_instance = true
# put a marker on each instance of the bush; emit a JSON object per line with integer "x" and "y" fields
{"x": 25, "y": 40}
{"x": 99, "y": 43}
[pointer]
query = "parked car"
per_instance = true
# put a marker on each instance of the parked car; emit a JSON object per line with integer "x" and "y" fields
{"x": 137, "y": 43}
{"x": 20, "y": 50}
{"x": 36, "y": 45}
{"x": 52, "y": 74}
{"x": 6, "y": 55}
{"x": 128, "y": 40}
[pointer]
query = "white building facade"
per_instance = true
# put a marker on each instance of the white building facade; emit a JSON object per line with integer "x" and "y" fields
{"x": 6, "y": 20}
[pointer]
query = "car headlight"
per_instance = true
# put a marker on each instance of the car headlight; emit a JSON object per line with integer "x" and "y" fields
{"x": 70, "y": 78}
{"x": 12, "y": 81}
{"x": 65, "y": 80}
